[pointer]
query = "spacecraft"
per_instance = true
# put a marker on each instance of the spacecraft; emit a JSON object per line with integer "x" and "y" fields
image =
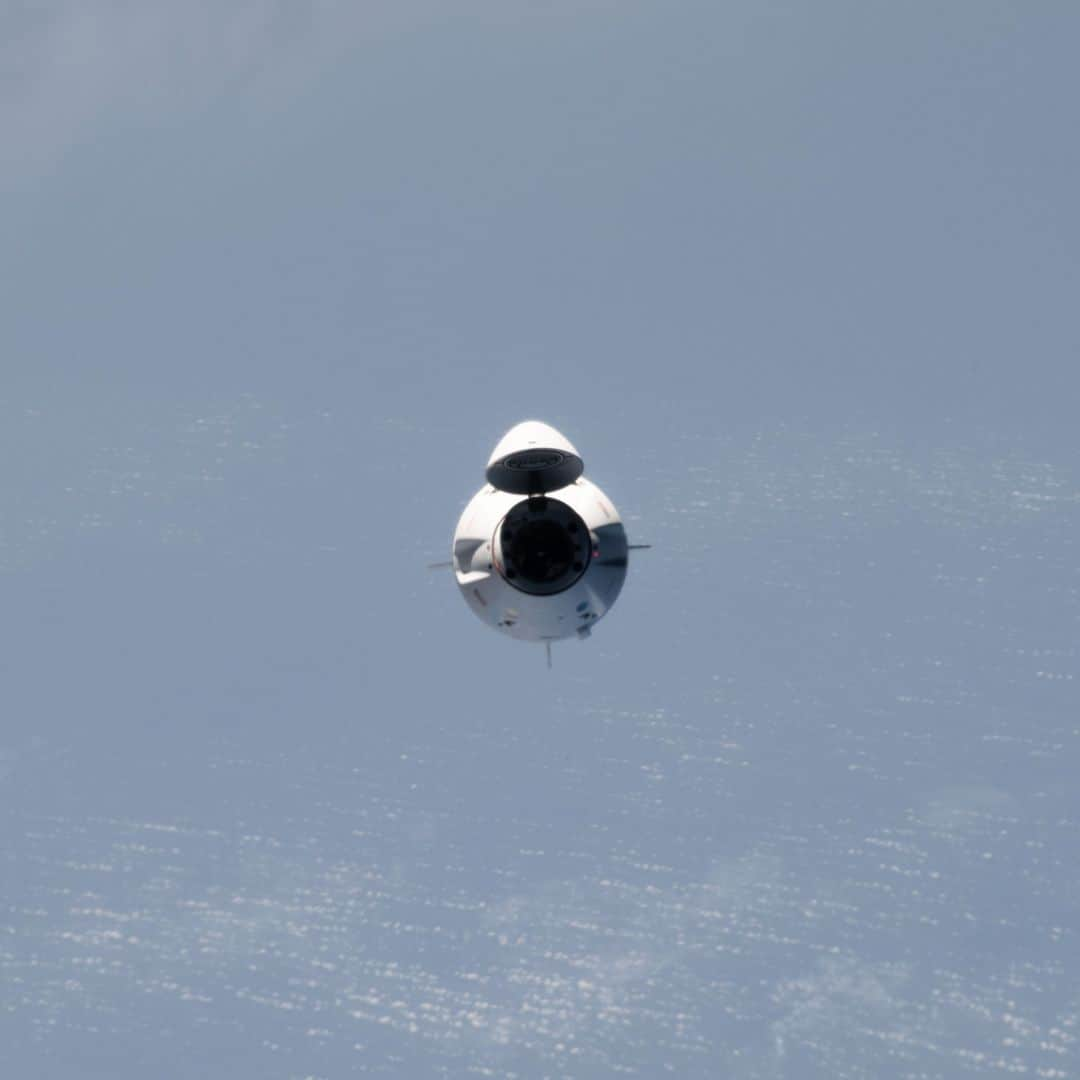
{"x": 539, "y": 553}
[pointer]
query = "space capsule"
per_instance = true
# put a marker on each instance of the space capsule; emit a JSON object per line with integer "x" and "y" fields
{"x": 539, "y": 553}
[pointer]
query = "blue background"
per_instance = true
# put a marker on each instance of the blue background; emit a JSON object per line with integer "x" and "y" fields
{"x": 800, "y": 283}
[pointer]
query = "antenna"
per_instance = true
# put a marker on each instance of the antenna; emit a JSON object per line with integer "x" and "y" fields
{"x": 547, "y": 649}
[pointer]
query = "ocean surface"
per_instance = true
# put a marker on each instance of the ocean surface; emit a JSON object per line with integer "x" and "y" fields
{"x": 275, "y": 805}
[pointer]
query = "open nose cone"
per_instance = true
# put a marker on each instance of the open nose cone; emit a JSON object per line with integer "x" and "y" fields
{"x": 533, "y": 458}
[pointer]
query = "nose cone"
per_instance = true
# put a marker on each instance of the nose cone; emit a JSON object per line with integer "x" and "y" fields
{"x": 533, "y": 458}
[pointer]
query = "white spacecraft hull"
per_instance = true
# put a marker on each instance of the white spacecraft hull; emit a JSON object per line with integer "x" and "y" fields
{"x": 537, "y": 562}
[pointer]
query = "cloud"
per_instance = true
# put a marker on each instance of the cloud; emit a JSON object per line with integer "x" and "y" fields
{"x": 8, "y": 760}
{"x": 70, "y": 66}
{"x": 822, "y": 1009}
{"x": 959, "y": 811}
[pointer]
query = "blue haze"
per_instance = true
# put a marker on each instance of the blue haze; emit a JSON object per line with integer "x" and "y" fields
{"x": 800, "y": 282}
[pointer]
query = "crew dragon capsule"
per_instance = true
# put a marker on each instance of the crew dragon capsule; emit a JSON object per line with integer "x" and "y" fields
{"x": 540, "y": 552}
